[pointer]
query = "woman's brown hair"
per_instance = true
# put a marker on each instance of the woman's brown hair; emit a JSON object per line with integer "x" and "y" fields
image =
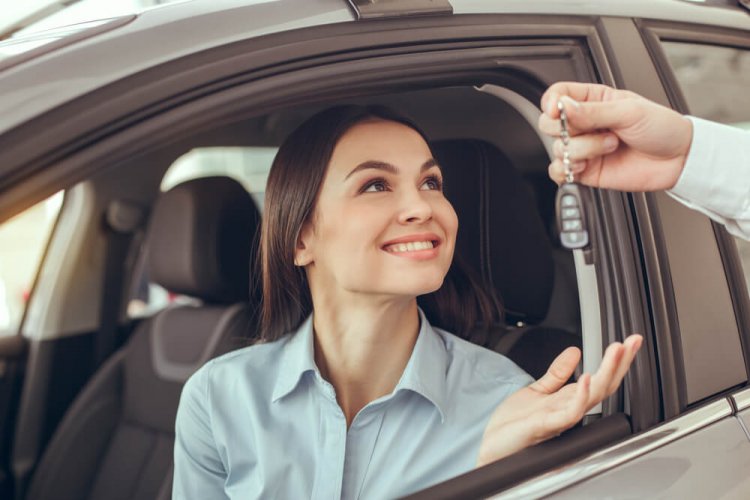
{"x": 294, "y": 182}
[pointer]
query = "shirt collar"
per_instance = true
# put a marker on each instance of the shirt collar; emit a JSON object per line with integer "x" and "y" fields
{"x": 425, "y": 372}
{"x": 427, "y": 369}
{"x": 297, "y": 358}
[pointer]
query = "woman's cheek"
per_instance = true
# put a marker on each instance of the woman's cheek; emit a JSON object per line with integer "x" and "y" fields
{"x": 451, "y": 223}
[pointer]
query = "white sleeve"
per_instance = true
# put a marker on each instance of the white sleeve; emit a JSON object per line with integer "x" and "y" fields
{"x": 716, "y": 176}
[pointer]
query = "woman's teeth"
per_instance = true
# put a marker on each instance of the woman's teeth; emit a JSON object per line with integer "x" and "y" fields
{"x": 412, "y": 246}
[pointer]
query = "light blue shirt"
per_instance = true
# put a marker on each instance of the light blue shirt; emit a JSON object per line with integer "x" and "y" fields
{"x": 261, "y": 422}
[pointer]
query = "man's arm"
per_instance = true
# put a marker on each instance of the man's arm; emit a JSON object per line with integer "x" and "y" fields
{"x": 716, "y": 177}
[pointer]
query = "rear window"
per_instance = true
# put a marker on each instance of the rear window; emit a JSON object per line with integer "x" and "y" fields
{"x": 715, "y": 81}
{"x": 23, "y": 240}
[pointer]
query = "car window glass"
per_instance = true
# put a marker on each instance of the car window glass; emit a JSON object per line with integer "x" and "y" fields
{"x": 714, "y": 81}
{"x": 22, "y": 242}
{"x": 247, "y": 165}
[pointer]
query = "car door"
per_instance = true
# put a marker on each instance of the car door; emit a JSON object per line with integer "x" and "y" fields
{"x": 697, "y": 288}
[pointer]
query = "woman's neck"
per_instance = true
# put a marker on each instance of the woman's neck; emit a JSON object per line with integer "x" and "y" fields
{"x": 362, "y": 351}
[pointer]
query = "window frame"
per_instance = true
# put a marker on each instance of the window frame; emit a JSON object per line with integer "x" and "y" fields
{"x": 113, "y": 132}
{"x": 654, "y": 33}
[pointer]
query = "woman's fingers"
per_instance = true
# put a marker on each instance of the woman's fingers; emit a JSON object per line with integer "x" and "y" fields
{"x": 559, "y": 371}
{"x": 615, "y": 364}
{"x": 570, "y": 412}
{"x": 603, "y": 377}
{"x": 631, "y": 346}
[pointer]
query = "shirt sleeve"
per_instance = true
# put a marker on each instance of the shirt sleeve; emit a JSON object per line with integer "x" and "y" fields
{"x": 716, "y": 176}
{"x": 199, "y": 472}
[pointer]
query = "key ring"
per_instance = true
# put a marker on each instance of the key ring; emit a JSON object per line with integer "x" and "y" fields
{"x": 565, "y": 136}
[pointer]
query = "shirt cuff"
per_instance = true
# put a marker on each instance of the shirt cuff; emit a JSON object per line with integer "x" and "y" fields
{"x": 716, "y": 169}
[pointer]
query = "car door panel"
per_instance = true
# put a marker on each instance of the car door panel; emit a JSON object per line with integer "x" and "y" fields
{"x": 742, "y": 402}
{"x": 710, "y": 463}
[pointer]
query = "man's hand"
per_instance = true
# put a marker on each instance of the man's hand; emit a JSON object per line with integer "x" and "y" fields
{"x": 547, "y": 407}
{"x": 619, "y": 140}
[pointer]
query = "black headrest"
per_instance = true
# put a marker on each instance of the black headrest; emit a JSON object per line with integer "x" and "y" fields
{"x": 201, "y": 238}
{"x": 500, "y": 232}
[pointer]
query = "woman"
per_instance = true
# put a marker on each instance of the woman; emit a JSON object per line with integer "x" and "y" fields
{"x": 364, "y": 398}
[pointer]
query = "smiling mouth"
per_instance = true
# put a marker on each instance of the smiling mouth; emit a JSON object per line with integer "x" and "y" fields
{"x": 412, "y": 246}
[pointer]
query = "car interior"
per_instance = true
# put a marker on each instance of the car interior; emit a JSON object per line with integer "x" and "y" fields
{"x": 98, "y": 421}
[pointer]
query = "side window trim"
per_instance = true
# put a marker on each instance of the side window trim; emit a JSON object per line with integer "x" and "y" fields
{"x": 654, "y": 33}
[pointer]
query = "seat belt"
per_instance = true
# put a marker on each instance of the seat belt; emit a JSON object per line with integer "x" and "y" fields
{"x": 121, "y": 221}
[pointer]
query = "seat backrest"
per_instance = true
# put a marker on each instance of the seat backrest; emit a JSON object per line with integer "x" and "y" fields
{"x": 503, "y": 238}
{"x": 115, "y": 442}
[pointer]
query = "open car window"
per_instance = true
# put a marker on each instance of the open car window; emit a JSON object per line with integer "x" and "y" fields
{"x": 23, "y": 240}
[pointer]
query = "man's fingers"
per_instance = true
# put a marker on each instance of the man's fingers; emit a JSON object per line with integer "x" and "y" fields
{"x": 607, "y": 115}
{"x": 559, "y": 371}
{"x": 586, "y": 147}
{"x": 556, "y": 169}
{"x": 589, "y": 107}
{"x": 552, "y": 126}
{"x": 581, "y": 92}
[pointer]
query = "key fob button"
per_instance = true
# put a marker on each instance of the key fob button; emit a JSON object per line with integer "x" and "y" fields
{"x": 571, "y": 213}
{"x": 572, "y": 225}
{"x": 569, "y": 200}
{"x": 574, "y": 239}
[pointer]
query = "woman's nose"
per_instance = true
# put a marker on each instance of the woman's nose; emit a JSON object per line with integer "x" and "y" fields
{"x": 414, "y": 208}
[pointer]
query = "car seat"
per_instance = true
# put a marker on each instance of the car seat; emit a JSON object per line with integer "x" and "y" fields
{"x": 115, "y": 441}
{"x": 502, "y": 237}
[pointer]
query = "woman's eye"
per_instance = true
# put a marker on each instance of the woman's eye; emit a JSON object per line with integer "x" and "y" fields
{"x": 375, "y": 186}
{"x": 433, "y": 184}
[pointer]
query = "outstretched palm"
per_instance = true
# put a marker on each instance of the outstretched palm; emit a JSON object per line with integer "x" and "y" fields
{"x": 547, "y": 407}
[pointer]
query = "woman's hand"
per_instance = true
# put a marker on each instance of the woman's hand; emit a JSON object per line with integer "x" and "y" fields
{"x": 619, "y": 140}
{"x": 547, "y": 407}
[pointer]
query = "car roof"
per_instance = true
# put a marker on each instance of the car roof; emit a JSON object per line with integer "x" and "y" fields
{"x": 33, "y": 83}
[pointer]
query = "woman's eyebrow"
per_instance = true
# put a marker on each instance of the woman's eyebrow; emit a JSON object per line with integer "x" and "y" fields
{"x": 381, "y": 165}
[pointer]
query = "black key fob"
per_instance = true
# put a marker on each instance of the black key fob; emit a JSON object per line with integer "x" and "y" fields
{"x": 570, "y": 207}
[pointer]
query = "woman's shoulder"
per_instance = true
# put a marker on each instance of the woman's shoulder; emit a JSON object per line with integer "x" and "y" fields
{"x": 483, "y": 363}
{"x": 255, "y": 362}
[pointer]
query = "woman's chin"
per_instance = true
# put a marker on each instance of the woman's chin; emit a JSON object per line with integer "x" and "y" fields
{"x": 413, "y": 289}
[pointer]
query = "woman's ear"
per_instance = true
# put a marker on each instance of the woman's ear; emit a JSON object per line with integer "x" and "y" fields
{"x": 303, "y": 249}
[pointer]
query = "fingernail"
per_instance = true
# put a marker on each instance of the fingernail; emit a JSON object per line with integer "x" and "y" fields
{"x": 569, "y": 101}
{"x": 610, "y": 143}
{"x": 551, "y": 104}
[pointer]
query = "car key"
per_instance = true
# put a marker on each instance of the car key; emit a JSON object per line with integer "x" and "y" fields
{"x": 571, "y": 200}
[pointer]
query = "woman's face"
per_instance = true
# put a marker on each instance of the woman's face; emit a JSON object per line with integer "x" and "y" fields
{"x": 381, "y": 224}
